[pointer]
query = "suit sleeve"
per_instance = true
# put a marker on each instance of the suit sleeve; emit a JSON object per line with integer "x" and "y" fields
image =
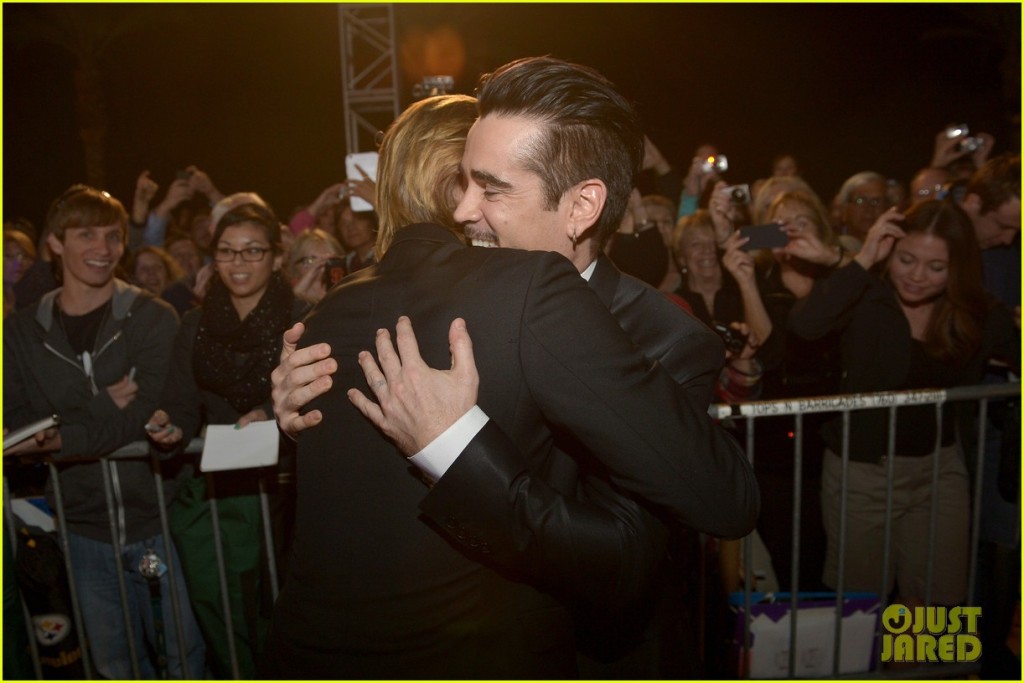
{"x": 608, "y": 544}
{"x": 645, "y": 429}
{"x": 603, "y": 549}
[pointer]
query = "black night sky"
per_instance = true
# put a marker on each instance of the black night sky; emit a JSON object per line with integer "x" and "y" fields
{"x": 252, "y": 93}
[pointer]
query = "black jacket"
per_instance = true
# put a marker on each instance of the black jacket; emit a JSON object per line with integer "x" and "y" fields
{"x": 876, "y": 347}
{"x": 403, "y": 601}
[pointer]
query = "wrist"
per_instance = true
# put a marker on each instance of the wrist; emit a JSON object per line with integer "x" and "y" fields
{"x": 840, "y": 255}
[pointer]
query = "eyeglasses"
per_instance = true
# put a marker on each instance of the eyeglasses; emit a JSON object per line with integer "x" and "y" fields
{"x": 250, "y": 254}
{"x": 870, "y": 201}
{"x": 937, "y": 191}
{"x": 306, "y": 262}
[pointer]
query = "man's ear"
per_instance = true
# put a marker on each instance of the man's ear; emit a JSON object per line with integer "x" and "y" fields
{"x": 56, "y": 246}
{"x": 278, "y": 261}
{"x": 971, "y": 204}
{"x": 588, "y": 198}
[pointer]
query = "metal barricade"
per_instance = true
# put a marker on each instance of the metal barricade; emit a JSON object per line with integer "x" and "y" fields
{"x": 748, "y": 412}
{"x": 845, "y": 405}
{"x": 136, "y": 450}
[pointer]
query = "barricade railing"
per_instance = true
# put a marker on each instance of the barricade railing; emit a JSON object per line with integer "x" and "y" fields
{"x": 134, "y": 451}
{"x": 750, "y": 412}
{"x": 845, "y": 404}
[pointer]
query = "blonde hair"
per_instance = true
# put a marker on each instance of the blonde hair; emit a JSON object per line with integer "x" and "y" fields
{"x": 810, "y": 201}
{"x": 770, "y": 189}
{"x": 305, "y": 241}
{"x": 698, "y": 220}
{"x": 418, "y": 169}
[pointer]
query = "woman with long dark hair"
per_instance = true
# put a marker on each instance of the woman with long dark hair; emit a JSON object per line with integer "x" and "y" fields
{"x": 911, "y": 313}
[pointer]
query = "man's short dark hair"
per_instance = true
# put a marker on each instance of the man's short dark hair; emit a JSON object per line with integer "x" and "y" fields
{"x": 996, "y": 182}
{"x": 590, "y": 131}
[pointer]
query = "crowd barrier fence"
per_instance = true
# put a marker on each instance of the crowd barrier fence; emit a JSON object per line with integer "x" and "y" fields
{"x": 749, "y": 412}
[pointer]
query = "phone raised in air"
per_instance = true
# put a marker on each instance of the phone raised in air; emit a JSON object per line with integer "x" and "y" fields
{"x": 767, "y": 236}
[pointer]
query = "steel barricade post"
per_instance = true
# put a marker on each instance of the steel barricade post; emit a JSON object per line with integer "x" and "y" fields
{"x": 65, "y": 544}
{"x": 172, "y": 569}
{"x": 933, "y": 512}
{"x": 222, "y": 577}
{"x": 794, "y": 578}
{"x": 115, "y": 539}
{"x": 268, "y": 537}
{"x": 748, "y": 562}
{"x": 972, "y": 568}
{"x": 841, "y": 568}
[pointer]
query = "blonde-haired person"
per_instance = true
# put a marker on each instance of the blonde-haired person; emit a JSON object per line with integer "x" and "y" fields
{"x": 413, "y": 187}
{"x": 424, "y": 274}
{"x": 305, "y": 261}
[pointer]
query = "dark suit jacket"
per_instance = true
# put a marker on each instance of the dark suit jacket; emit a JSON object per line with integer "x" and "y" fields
{"x": 594, "y": 543}
{"x": 373, "y": 589}
{"x": 601, "y": 549}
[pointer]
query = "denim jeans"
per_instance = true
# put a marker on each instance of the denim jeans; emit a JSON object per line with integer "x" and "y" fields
{"x": 95, "y": 574}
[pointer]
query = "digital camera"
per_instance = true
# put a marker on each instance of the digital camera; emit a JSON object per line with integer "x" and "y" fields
{"x": 738, "y": 194}
{"x": 734, "y": 339}
{"x": 967, "y": 144}
{"x": 716, "y": 163}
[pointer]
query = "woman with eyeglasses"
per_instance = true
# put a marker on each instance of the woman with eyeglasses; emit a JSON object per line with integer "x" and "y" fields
{"x": 220, "y": 374}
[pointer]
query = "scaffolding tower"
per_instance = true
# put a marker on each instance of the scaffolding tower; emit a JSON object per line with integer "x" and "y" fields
{"x": 369, "y": 72}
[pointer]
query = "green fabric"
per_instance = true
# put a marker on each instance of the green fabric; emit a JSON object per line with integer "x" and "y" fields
{"x": 17, "y": 657}
{"x": 241, "y": 530}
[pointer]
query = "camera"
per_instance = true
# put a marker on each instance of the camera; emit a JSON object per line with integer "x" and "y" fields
{"x": 738, "y": 194}
{"x": 184, "y": 175}
{"x": 955, "y": 131}
{"x": 334, "y": 270}
{"x": 716, "y": 163}
{"x": 967, "y": 144}
{"x": 734, "y": 340}
{"x": 433, "y": 85}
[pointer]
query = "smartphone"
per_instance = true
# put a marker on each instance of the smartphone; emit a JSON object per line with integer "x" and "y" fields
{"x": 768, "y": 236}
{"x": 367, "y": 161}
{"x": 334, "y": 270}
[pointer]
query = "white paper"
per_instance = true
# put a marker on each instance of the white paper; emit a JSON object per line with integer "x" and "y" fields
{"x": 815, "y": 637}
{"x": 368, "y": 162}
{"x": 227, "y": 448}
{"x": 19, "y": 435}
{"x": 28, "y": 513}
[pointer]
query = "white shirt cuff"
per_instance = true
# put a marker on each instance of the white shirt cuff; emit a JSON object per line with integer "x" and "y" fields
{"x": 438, "y": 455}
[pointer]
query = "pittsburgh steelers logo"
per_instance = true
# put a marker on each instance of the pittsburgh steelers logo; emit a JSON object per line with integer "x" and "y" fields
{"x": 896, "y": 618}
{"x": 51, "y": 628}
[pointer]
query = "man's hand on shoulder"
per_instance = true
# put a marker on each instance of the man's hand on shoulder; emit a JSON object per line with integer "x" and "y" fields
{"x": 302, "y": 375}
{"x": 417, "y": 403}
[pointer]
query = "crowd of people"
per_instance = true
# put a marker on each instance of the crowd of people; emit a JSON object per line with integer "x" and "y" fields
{"x": 574, "y": 549}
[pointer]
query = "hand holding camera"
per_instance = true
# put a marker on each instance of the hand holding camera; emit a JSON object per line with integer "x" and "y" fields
{"x": 734, "y": 336}
{"x": 956, "y": 141}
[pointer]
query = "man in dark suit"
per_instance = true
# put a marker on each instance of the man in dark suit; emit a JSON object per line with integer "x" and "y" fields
{"x": 541, "y": 376}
